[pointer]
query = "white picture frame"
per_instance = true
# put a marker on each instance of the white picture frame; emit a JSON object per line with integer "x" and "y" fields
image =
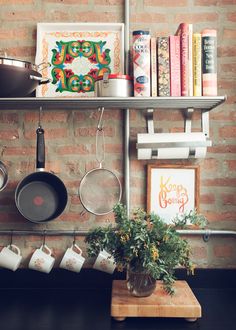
{"x": 73, "y": 54}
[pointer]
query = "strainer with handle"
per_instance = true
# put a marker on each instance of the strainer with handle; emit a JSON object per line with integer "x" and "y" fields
{"x": 100, "y": 189}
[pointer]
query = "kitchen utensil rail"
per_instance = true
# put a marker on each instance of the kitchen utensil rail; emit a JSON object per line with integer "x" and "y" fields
{"x": 206, "y": 233}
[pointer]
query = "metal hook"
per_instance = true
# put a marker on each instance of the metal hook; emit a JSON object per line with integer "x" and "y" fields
{"x": 11, "y": 240}
{"x": 206, "y": 236}
{"x": 3, "y": 150}
{"x": 74, "y": 240}
{"x": 100, "y": 124}
{"x": 82, "y": 213}
{"x": 44, "y": 237}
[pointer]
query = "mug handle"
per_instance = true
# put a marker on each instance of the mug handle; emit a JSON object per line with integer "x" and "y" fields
{"x": 44, "y": 246}
{"x": 77, "y": 248}
{"x": 14, "y": 247}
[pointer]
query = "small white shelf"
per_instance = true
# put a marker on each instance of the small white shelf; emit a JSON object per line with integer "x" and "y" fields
{"x": 182, "y": 103}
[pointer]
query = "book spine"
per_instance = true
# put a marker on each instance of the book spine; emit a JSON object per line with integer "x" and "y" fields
{"x": 163, "y": 66}
{"x": 197, "y": 64}
{"x": 141, "y": 63}
{"x": 175, "y": 84}
{"x": 183, "y": 32}
{"x": 209, "y": 62}
{"x": 153, "y": 67}
{"x": 190, "y": 60}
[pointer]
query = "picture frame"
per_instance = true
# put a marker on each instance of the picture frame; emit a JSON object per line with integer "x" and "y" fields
{"x": 172, "y": 189}
{"x": 72, "y": 55}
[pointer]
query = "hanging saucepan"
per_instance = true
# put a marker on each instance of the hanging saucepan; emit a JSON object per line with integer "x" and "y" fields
{"x": 19, "y": 78}
{"x": 3, "y": 176}
{"x": 41, "y": 196}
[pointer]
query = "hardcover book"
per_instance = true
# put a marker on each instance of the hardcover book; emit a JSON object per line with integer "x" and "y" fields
{"x": 183, "y": 32}
{"x": 197, "y": 64}
{"x": 163, "y": 66}
{"x": 153, "y": 67}
{"x": 209, "y": 62}
{"x": 175, "y": 83}
{"x": 190, "y": 59}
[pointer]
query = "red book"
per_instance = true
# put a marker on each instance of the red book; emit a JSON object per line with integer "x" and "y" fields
{"x": 175, "y": 83}
{"x": 183, "y": 32}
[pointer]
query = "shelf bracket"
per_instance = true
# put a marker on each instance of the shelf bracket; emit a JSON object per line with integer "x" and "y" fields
{"x": 205, "y": 123}
{"x": 188, "y": 114}
{"x": 150, "y": 128}
{"x": 150, "y": 121}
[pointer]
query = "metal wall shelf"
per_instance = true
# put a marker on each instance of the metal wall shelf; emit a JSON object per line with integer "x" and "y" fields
{"x": 182, "y": 103}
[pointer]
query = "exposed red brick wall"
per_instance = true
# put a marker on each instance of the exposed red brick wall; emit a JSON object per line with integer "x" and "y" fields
{"x": 70, "y": 135}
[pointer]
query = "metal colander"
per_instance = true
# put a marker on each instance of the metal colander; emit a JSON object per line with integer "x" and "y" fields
{"x": 100, "y": 189}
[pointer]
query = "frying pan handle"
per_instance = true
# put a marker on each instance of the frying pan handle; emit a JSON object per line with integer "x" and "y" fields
{"x": 40, "y": 80}
{"x": 40, "y": 152}
{"x": 44, "y": 81}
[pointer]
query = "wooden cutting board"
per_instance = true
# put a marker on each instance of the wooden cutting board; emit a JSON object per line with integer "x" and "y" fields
{"x": 182, "y": 304}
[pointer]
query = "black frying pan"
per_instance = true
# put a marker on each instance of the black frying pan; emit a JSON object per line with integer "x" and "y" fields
{"x": 41, "y": 196}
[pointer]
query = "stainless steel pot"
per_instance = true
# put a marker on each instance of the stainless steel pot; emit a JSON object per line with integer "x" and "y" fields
{"x": 114, "y": 85}
{"x": 3, "y": 176}
{"x": 19, "y": 78}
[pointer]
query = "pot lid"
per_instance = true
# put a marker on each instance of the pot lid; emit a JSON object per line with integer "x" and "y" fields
{"x": 116, "y": 76}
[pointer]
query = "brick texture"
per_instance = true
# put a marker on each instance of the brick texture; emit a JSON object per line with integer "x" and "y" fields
{"x": 70, "y": 135}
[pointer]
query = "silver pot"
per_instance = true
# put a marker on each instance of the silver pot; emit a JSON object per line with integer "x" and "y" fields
{"x": 19, "y": 78}
{"x": 113, "y": 85}
{"x": 3, "y": 176}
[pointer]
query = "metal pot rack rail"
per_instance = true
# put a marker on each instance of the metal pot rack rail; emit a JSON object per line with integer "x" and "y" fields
{"x": 205, "y": 233}
{"x": 203, "y": 103}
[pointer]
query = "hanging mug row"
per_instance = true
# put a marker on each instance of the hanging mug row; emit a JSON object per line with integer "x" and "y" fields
{"x": 43, "y": 261}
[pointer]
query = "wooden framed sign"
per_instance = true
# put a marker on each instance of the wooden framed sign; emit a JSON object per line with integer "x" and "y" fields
{"x": 172, "y": 189}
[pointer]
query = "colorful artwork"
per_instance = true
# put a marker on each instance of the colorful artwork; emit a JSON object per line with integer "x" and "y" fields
{"x": 67, "y": 52}
{"x": 77, "y": 54}
{"x": 172, "y": 190}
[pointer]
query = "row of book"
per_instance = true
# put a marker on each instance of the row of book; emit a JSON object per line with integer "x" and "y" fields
{"x": 184, "y": 64}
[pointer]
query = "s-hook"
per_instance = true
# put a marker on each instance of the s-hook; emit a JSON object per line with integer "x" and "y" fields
{"x": 74, "y": 238}
{"x": 44, "y": 237}
{"x": 100, "y": 123}
{"x": 11, "y": 239}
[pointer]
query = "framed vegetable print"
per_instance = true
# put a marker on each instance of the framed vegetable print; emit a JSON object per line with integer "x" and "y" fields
{"x": 74, "y": 54}
{"x": 172, "y": 190}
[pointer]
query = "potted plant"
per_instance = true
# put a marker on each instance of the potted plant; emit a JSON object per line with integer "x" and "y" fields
{"x": 147, "y": 247}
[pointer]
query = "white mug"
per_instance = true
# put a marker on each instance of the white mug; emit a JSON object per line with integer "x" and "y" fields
{"x": 105, "y": 262}
{"x": 42, "y": 260}
{"x": 72, "y": 259}
{"x": 10, "y": 257}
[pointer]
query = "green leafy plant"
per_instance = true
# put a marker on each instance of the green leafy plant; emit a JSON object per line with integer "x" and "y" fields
{"x": 145, "y": 241}
{"x": 191, "y": 217}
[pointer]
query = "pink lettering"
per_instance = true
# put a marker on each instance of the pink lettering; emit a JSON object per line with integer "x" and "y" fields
{"x": 167, "y": 188}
